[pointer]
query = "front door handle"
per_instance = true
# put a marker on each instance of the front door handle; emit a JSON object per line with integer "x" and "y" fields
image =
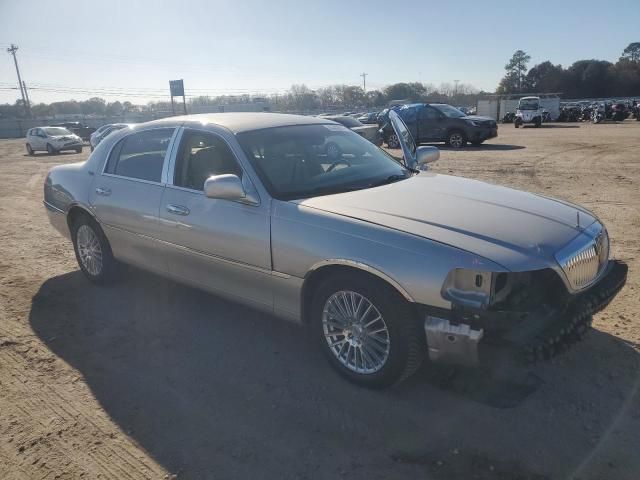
{"x": 105, "y": 192}
{"x": 177, "y": 209}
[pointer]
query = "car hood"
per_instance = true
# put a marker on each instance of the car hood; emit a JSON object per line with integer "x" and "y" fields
{"x": 516, "y": 229}
{"x": 478, "y": 118}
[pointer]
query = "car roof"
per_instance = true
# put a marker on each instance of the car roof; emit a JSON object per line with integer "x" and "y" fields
{"x": 239, "y": 122}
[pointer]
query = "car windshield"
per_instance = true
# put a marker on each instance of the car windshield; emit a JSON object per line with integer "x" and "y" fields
{"x": 449, "y": 111}
{"x": 304, "y": 161}
{"x": 528, "y": 104}
{"x": 348, "y": 122}
{"x": 54, "y": 131}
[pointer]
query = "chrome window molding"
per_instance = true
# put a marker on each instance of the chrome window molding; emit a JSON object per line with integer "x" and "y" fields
{"x": 167, "y": 155}
{"x": 247, "y": 181}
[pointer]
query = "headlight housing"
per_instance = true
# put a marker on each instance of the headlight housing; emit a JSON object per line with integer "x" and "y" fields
{"x": 474, "y": 288}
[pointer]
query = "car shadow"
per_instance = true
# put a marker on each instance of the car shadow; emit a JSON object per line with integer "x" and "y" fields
{"x": 45, "y": 154}
{"x": 485, "y": 146}
{"x": 207, "y": 386}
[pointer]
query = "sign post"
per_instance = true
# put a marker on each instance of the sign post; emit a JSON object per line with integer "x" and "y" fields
{"x": 176, "y": 87}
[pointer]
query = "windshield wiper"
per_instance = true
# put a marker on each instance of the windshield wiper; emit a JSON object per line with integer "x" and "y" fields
{"x": 390, "y": 179}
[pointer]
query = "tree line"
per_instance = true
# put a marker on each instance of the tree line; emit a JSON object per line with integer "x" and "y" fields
{"x": 582, "y": 79}
{"x": 298, "y": 98}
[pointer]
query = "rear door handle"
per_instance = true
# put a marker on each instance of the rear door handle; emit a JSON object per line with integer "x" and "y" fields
{"x": 177, "y": 209}
{"x": 105, "y": 192}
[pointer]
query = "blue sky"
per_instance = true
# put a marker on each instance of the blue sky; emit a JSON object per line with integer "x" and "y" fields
{"x": 221, "y": 46}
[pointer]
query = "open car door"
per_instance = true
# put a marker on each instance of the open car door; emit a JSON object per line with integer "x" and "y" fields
{"x": 407, "y": 143}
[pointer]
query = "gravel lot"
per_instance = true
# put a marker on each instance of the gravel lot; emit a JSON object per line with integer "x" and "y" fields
{"x": 151, "y": 379}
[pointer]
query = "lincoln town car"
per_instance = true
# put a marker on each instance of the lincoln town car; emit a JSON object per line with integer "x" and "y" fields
{"x": 387, "y": 262}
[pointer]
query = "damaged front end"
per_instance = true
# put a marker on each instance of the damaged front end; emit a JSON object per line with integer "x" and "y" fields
{"x": 533, "y": 313}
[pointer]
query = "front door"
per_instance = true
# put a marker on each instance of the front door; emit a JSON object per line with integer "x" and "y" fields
{"x": 221, "y": 245}
{"x": 126, "y": 197}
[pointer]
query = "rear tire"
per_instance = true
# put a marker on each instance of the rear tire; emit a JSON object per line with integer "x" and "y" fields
{"x": 93, "y": 251}
{"x": 79, "y": 150}
{"x": 29, "y": 149}
{"x": 358, "y": 351}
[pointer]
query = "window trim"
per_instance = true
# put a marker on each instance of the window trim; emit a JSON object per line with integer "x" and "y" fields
{"x": 174, "y": 157}
{"x": 167, "y": 156}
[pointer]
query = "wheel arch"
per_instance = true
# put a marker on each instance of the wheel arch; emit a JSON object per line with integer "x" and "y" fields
{"x": 75, "y": 211}
{"x": 318, "y": 272}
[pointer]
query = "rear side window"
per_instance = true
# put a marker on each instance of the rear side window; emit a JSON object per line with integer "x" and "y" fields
{"x": 141, "y": 155}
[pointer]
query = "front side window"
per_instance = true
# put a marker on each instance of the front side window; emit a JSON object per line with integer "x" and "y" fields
{"x": 141, "y": 155}
{"x": 302, "y": 161}
{"x": 201, "y": 156}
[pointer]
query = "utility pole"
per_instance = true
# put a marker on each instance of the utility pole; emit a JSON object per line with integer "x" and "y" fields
{"x": 26, "y": 94}
{"x": 364, "y": 81}
{"x": 455, "y": 90}
{"x": 12, "y": 50}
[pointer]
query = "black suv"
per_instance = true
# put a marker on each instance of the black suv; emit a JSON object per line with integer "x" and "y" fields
{"x": 439, "y": 122}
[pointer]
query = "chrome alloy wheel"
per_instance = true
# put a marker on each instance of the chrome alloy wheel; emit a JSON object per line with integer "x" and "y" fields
{"x": 455, "y": 140}
{"x": 355, "y": 332}
{"x": 89, "y": 250}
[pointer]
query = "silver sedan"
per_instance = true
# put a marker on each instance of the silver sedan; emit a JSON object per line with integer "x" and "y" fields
{"x": 386, "y": 261}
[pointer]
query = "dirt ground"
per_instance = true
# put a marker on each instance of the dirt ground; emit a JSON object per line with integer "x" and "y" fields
{"x": 151, "y": 379}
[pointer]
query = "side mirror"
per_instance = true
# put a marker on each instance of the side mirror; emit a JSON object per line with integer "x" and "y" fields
{"x": 425, "y": 155}
{"x": 226, "y": 186}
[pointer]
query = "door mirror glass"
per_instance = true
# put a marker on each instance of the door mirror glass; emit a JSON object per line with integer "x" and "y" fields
{"x": 226, "y": 186}
{"x": 425, "y": 155}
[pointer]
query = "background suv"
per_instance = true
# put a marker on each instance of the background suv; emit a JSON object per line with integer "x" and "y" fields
{"x": 439, "y": 122}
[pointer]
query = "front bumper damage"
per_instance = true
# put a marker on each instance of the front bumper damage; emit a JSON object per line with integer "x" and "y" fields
{"x": 460, "y": 335}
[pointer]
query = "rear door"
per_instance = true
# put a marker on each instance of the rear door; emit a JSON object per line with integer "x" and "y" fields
{"x": 126, "y": 196}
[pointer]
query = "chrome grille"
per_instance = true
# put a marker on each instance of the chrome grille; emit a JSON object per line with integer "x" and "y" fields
{"x": 584, "y": 259}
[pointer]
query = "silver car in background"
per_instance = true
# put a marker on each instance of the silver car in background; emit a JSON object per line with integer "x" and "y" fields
{"x": 52, "y": 140}
{"x": 387, "y": 262}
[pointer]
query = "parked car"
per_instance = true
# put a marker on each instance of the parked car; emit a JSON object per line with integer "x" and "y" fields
{"x": 368, "y": 118}
{"x": 386, "y": 263}
{"x": 52, "y": 140}
{"x": 77, "y": 128}
{"x": 439, "y": 122}
{"x": 370, "y": 132}
{"x": 106, "y": 130}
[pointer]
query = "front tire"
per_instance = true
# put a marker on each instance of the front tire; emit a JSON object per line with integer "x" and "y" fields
{"x": 392, "y": 141}
{"x": 79, "y": 150}
{"x": 93, "y": 251}
{"x": 50, "y": 149}
{"x": 367, "y": 331}
{"x": 456, "y": 139}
